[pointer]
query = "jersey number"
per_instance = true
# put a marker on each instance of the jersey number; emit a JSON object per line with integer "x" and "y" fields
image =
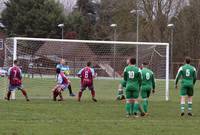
{"x": 86, "y": 74}
{"x": 187, "y": 73}
{"x": 131, "y": 74}
{"x": 14, "y": 73}
{"x": 147, "y": 76}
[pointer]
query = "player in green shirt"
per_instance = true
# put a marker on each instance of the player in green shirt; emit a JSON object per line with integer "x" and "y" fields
{"x": 188, "y": 75}
{"x": 133, "y": 78}
{"x": 148, "y": 85}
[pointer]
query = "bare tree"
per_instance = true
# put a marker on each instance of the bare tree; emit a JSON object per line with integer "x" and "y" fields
{"x": 187, "y": 34}
{"x": 157, "y": 14}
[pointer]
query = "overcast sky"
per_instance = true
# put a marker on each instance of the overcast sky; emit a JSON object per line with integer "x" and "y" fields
{"x": 68, "y": 4}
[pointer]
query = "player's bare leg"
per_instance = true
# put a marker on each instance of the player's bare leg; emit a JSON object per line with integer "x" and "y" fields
{"x": 93, "y": 95}
{"x": 70, "y": 90}
{"x": 8, "y": 95}
{"x": 80, "y": 95}
{"x": 25, "y": 94}
{"x": 60, "y": 94}
{"x": 61, "y": 97}
{"x": 190, "y": 105}
{"x": 182, "y": 105}
{"x": 55, "y": 94}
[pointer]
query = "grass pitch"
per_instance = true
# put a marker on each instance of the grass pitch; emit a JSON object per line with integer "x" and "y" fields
{"x": 106, "y": 117}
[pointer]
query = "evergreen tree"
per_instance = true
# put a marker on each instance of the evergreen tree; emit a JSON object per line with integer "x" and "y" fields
{"x": 33, "y": 18}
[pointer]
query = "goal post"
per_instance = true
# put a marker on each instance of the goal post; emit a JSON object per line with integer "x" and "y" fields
{"x": 39, "y": 56}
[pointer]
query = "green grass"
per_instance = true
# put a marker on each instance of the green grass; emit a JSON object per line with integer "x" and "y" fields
{"x": 106, "y": 117}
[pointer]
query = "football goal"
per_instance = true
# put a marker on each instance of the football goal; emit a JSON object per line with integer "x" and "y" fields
{"x": 38, "y": 58}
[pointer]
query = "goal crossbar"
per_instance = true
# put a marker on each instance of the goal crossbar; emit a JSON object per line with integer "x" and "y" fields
{"x": 92, "y": 41}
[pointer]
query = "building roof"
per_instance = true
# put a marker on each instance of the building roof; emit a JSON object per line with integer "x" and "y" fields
{"x": 66, "y": 50}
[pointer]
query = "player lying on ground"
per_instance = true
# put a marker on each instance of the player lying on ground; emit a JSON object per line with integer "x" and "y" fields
{"x": 121, "y": 87}
{"x": 148, "y": 85}
{"x": 62, "y": 84}
{"x": 120, "y": 95}
{"x": 15, "y": 80}
{"x": 189, "y": 75}
{"x": 65, "y": 68}
{"x": 87, "y": 75}
{"x": 133, "y": 78}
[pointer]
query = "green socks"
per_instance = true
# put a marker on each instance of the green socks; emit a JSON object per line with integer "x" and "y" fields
{"x": 132, "y": 108}
{"x": 183, "y": 107}
{"x": 145, "y": 104}
{"x": 135, "y": 108}
{"x": 128, "y": 108}
{"x": 190, "y": 107}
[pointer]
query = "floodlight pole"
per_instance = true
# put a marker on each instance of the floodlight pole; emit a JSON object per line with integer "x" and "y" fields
{"x": 137, "y": 47}
{"x": 62, "y": 28}
{"x": 137, "y": 36}
{"x": 62, "y": 33}
{"x": 114, "y": 26}
{"x": 171, "y": 27}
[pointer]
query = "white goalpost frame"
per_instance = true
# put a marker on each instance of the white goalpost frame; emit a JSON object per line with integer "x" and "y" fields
{"x": 100, "y": 42}
{"x": 14, "y": 58}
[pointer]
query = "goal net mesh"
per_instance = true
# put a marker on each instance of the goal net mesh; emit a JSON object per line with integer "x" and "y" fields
{"x": 38, "y": 59}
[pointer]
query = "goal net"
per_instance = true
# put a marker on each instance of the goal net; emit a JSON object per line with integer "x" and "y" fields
{"x": 38, "y": 58}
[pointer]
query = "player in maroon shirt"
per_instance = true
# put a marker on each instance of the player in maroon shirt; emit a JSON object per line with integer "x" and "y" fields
{"x": 62, "y": 84}
{"x": 15, "y": 80}
{"x": 87, "y": 74}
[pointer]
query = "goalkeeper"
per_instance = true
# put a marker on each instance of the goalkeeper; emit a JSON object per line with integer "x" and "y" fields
{"x": 63, "y": 67}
